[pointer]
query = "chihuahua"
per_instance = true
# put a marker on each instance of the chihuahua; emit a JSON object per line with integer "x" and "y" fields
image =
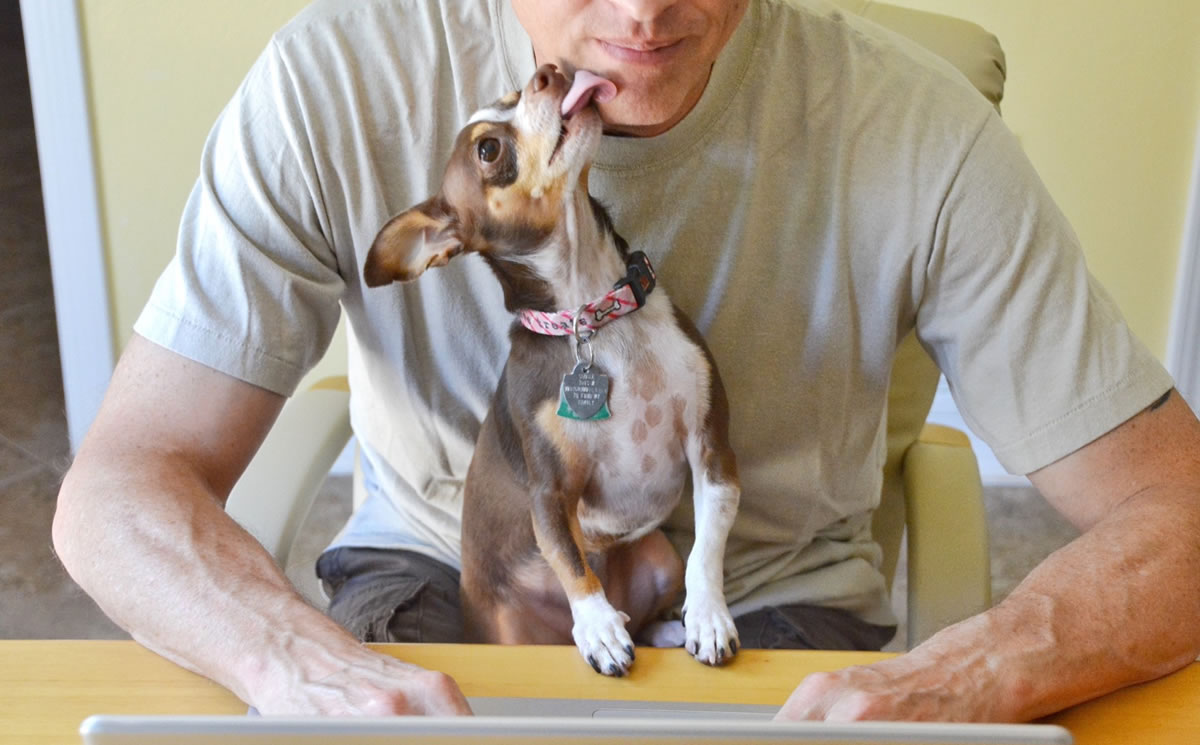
{"x": 609, "y": 399}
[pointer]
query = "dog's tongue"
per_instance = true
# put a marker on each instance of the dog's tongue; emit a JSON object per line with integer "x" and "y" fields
{"x": 585, "y": 87}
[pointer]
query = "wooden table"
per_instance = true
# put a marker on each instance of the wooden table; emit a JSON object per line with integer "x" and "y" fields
{"x": 48, "y": 687}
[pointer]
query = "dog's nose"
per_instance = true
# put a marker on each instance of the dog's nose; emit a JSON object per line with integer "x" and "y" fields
{"x": 544, "y": 77}
{"x": 547, "y": 77}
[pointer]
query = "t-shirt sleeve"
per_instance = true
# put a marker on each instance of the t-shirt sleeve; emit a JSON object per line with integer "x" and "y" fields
{"x": 254, "y": 286}
{"x": 1036, "y": 353}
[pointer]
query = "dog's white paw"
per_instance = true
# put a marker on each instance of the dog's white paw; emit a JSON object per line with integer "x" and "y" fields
{"x": 663, "y": 634}
{"x": 710, "y": 635}
{"x": 601, "y": 636}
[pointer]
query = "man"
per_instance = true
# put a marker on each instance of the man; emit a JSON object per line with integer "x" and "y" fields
{"x": 810, "y": 188}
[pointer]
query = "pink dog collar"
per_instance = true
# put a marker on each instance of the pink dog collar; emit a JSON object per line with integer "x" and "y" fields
{"x": 626, "y": 296}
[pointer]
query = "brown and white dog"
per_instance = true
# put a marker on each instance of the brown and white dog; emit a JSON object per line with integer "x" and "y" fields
{"x": 571, "y": 479}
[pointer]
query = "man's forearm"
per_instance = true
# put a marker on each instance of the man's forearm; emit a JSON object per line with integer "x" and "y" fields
{"x": 140, "y": 527}
{"x": 1101, "y": 613}
{"x": 1110, "y": 609}
{"x": 153, "y": 546}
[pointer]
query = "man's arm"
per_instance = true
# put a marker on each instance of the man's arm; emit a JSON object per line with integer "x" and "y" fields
{"x": 141, "y": 526}
{"x": 1112, "y": 608}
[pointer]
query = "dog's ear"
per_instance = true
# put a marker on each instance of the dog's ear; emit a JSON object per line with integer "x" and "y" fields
{"x": 418, "y": 238}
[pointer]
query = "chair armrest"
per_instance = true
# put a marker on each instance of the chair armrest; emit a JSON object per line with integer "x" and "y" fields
{"x": 274, "y": 495}
{"x": 949, "y": 572}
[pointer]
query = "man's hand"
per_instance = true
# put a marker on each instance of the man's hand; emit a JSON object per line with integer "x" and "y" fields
{"x": 373, "y": 685}
{"x": 1101, "y": 613}
{"x": 903, "y": 688}
{"x": 866, "y": 692}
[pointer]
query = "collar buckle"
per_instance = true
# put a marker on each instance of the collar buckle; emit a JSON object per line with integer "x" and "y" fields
{"x": 639, "y": 277}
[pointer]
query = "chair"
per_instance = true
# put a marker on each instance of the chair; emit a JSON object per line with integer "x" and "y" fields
{"x": 931, "y": 492}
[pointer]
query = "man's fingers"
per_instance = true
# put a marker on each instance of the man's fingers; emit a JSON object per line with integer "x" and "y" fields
{"x": 809, "y": 702}
{"x": 872, "y": 693}
{"x": 380, "y": 686}
{"x": 425, "y": 692}
{"x": 443, "y": 696}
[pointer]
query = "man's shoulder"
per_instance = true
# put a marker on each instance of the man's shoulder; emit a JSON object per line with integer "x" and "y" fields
{"x": 408, "y": 22}
{"x": 334, "y": 50}
{"x": 909, "y": 48}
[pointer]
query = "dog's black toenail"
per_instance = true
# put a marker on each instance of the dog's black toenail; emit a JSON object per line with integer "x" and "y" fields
{"x": 595, "y": 665}
{"x": 733, "y": 647}
{"x": 721, "y": 654}
{"x": 629, "y": 650}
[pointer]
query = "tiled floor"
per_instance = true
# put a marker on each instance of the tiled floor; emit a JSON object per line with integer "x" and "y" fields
{"x": 37, "y": 598}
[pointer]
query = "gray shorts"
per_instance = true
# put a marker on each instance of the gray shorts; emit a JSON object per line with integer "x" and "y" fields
{"x": 387, "y": 595}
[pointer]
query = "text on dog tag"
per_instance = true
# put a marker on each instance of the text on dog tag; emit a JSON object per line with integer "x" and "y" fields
{"x": 584, "y": 395}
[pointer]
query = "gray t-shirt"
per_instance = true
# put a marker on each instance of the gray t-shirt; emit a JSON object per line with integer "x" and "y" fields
{"x": 834, "y": 188}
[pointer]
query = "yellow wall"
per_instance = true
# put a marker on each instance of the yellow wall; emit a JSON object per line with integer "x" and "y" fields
{"x": 160, "y": 73}
{"x": 1104, "y": 95}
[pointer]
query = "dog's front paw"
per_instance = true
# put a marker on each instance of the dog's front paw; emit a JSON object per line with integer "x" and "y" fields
{"x": 601, "y": 636}
{"x": 710, "y": 634}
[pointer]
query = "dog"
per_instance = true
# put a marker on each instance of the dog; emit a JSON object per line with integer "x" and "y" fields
{"x": 608, "y": 401}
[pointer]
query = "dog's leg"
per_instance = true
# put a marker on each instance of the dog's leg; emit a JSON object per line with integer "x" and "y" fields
{"x": 561, "y": 475}
{"x": 710, "y": 635}
{"x": 599, "y": 629}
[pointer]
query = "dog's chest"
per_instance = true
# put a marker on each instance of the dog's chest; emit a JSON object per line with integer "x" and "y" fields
{"x": 659, "y": 381}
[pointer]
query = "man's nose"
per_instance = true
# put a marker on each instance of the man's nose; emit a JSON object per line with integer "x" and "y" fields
{"x": 643, "y": 11}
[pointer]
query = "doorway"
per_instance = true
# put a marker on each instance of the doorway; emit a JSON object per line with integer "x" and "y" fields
{"x": 38, "y": 599}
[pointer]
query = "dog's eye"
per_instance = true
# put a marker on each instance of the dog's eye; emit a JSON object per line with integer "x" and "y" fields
{"x": 488, "y": 149}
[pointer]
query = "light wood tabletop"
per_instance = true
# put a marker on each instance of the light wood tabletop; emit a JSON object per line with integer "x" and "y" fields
{"x": 48, "y": 687}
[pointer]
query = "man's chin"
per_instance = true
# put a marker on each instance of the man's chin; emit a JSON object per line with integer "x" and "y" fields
{"x": 638, "y": 120}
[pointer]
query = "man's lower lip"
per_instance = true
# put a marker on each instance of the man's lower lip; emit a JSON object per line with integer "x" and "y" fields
{"x": 641, "y": 56}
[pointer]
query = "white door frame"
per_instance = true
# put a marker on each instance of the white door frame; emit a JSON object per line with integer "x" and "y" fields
{"x": 58, "y": 84}
{"x": 1183, "y": 344}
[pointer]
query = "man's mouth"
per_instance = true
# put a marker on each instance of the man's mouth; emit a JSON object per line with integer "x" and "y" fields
{"x": 649, "y": 52}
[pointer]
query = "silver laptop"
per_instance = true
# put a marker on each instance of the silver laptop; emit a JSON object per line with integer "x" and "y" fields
{"x": 516, "y": 721}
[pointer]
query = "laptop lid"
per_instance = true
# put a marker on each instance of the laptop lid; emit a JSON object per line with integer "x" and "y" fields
{"x": 676, "y": 729}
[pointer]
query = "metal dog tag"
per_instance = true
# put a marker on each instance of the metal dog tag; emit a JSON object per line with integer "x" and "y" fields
{"x": 584, "y": 394}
